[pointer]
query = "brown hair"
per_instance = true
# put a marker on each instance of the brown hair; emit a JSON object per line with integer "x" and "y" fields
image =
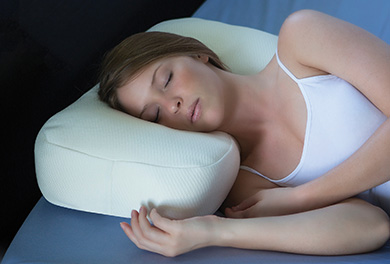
{"x": 126, "y": 60}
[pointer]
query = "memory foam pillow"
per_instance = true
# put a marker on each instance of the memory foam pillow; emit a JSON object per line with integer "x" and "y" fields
{"x": 93, "y": 158}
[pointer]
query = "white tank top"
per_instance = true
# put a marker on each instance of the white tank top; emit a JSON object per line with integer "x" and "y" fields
{"x": 339, "y": 120}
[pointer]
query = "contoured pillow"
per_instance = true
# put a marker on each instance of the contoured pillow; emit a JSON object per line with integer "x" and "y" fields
{"x": 93, "y": 158}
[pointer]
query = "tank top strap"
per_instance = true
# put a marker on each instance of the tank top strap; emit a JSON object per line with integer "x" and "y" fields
{"x": 242, "y": 167}
{"x": 284, "y": 68}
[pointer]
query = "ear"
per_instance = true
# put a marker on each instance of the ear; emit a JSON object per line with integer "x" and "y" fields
{"x": 203, "y": 58}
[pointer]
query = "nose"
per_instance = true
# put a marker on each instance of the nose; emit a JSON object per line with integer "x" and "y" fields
{"x": 176, "y": 105}
{"x": 173, "y": 105}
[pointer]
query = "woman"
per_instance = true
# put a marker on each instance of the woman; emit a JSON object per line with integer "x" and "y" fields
{"x": 323, "y": 138}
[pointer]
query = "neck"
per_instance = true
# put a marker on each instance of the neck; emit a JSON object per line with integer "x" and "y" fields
{"x": 249, "y": 109}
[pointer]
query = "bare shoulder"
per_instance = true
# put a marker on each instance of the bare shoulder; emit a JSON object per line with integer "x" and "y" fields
{"x": 295, "y": 36}
{"x": 297, "y": 23}
{"x": 310, "y": 42}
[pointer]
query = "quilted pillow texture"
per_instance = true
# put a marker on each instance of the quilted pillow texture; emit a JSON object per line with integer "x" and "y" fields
{"x": 93, "y": 158}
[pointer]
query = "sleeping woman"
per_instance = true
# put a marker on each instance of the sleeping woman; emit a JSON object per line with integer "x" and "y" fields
{"x": 313, "y": 129}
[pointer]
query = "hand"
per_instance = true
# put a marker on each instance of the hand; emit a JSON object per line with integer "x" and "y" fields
{"x": 169, "y": 237}
{"x": 268, "y": 202}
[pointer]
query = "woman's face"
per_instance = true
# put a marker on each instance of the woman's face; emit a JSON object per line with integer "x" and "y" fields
{"x": 179, "y": 92}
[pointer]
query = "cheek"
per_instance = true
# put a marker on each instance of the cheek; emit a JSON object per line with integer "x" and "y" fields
{"x": 213, "y": 119}
{"x": 212, "y": 116}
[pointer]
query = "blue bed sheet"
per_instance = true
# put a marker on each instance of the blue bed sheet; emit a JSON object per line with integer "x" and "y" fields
{"x": 268, "y": 15}
{"x": 52, "y": 234}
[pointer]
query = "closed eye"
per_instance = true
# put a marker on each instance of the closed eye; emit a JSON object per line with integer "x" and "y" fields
{"x": 169, "y": 79}
{"x": 157, "y": 116}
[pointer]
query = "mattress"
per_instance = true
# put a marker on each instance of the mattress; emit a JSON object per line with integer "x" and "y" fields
{"x": 53, "y": 234}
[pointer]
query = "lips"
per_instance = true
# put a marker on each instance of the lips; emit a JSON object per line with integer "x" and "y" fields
{"x": 194, "y": 111}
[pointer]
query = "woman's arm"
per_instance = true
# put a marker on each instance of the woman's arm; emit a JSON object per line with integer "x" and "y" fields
{"x": 352, "y": 226}
{"x": 310, "y": 41}
{"x": 366, "y": 168}
{"x": 319, "y": 41}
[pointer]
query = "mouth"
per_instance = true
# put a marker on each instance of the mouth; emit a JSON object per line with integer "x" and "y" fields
{"x": 194, "y": 111}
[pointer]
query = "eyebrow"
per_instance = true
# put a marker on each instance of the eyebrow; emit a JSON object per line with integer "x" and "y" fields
{"x": 152, "y": 84}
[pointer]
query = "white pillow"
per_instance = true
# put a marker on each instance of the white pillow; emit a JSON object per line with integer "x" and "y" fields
{"x": 93, "y": 158}
{"x": 244, "y": 50}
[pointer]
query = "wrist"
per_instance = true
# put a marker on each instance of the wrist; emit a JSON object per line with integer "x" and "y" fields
{"x": 311, "y": 197}
{"x": 302, "y": 198}
{"x": 212, "y": 232}
{"x": 222, "y": 234}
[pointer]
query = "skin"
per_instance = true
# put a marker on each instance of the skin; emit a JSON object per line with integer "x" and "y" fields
{"x": 155, "y": 91}
{"x": 266, "y": 113}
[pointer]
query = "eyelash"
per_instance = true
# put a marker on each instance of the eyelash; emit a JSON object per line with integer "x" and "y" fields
{"x": 157, "y": 116}
{"x": 169, "y": 79}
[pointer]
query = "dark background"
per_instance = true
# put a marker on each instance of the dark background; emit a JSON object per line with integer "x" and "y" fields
{"x": 50, "y": 52}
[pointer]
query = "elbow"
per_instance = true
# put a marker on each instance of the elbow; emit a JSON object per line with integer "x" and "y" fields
{"x": 383, "y": 229}
{"x": 372, "y": 230}
{"x": 380, "y": 231}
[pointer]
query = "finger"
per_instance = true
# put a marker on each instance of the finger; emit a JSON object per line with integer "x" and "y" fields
{"x": 149, "y": 231}
{"x": 229, "y": 212}
{"x": 162, "y": 223}
{"x": 143, "y": 220}
{"x": 247, "y": 203}
{"x": 129, "y": 232}
{"x": 135, "y": 230}
{"x": 247, "y": 213}
{"x": 142, "y": 241}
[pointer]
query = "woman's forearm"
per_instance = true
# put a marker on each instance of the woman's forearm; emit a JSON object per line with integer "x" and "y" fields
{"x": 352, "y": 226}
{"x": 368, "y": 167}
